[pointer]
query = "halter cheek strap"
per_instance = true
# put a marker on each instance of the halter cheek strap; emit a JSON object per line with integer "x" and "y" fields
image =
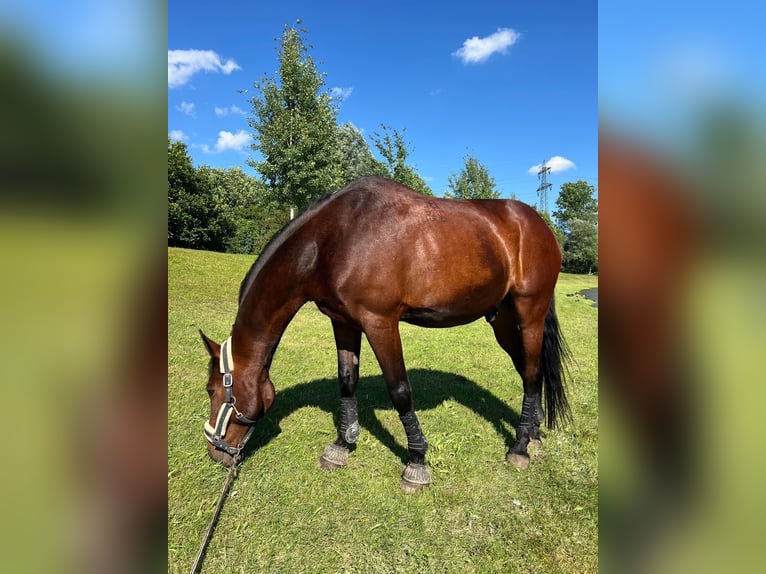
{"x": 214, "y": 435}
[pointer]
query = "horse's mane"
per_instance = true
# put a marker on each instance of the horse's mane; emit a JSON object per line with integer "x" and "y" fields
{"x": 278, "y": 238}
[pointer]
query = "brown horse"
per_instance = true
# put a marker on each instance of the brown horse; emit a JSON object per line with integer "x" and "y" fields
{"x": 372, "y": 255}
{"x": 652, "y": 233}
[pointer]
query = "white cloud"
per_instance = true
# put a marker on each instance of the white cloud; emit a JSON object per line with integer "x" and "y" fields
{"x": 183, "y": 64}
{"x": 556, "y": 163}
{"x": 177, "y": 135}
{"x": 186, "y": 107}
{"x": 221, "y": 112}
{"x": 229, "y": 141}
{"x": 341, "y": 93}
{"x": 477, "y": 49}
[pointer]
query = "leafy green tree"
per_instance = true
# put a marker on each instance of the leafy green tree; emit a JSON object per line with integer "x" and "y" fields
{"x": 473, "y": 182}
{"x": 295, "y": 125}
{"x": 181, "y": 177}
{"x": 357, "y": 159}
{"x": 195, "y": 219}
{"x": 395, "y": 150}
{"x": 555, "y": 228}
{"x": 576, "y": 202}
{"x": 577, "y": 216}
{"x": 259, "y": 222}
{"x": 243, "y": 200}
{"x": 581, "y": 248}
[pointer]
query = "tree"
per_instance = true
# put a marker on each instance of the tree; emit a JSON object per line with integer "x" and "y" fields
{"x": 195, "y": 219}
{"x": 258, "y": 224}
{"x": 357, "y": 159}
{"x": 575, "y": 202}
{"x": 395, "y": 150}
{"x": 295, "y": 126}
{"x": 243, "y": 201}
{"x": 577, "y": 216}
{"x": 581, "y": 248}
{"x": 473, "y": 182}
{"x": 553, "y": 227}
{"x": 181, "y": 179}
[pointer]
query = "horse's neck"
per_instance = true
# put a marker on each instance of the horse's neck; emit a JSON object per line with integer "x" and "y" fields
{"x": 264, "y": 313}
{"x": 274, "y": 291}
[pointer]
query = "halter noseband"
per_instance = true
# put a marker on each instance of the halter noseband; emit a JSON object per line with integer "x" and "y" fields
{"x": 215, "y": 435}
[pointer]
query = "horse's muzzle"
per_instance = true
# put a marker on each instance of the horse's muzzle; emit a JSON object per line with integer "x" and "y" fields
{"x": 220, "y": 456}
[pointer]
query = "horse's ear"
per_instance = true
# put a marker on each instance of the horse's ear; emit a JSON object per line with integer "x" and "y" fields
{"x": 213, "y": 348}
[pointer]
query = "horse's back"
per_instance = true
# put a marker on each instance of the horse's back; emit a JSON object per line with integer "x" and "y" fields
{"x": 434, "y": 261}
{"x": 388, "y": 212}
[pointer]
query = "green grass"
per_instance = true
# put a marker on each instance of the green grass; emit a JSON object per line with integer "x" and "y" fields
{"x": 284, "y": 514}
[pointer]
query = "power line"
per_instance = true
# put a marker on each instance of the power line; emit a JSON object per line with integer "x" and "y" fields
{"x": 542, "y": 190}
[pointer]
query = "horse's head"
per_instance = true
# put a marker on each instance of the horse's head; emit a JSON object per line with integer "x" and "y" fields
{"x": 239, "y": 396}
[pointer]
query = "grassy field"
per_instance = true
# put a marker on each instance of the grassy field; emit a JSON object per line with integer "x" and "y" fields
{"x": 284, "y": 514}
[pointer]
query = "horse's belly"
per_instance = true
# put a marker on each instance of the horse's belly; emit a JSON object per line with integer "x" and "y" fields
{"x": 439, "y": 318}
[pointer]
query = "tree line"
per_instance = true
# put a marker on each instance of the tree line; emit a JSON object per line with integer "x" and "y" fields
{"x": 302, "y": 152}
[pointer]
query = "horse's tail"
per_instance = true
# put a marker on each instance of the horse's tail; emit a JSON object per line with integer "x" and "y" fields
{"x": 554, "y": 357}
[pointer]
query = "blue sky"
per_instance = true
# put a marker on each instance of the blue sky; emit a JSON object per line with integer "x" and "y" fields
{"x": 662, "y": 65}
{"x": 511, "y": 83}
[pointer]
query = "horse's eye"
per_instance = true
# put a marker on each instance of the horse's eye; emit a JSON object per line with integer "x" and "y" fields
{"x": 210, "y": 392}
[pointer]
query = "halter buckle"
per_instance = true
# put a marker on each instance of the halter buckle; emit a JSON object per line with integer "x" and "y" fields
{"x": 227, "y": 380}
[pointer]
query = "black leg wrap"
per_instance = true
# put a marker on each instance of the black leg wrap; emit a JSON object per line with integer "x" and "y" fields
{"x": 349, "y": 420}
{"x": 416, "y": 440}
{"x": 529, "y": 428}
{"x": 530, "y": 411}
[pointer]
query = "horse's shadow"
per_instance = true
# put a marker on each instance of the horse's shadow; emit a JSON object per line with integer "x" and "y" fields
{"x": 429, "y": 389}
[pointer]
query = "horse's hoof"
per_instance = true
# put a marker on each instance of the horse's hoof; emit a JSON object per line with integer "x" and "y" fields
{"x": 333, "y": 457}
{"x": 535, "y": 443}
{"x": 415, "y": 477}
{"x": 517, "y": 459}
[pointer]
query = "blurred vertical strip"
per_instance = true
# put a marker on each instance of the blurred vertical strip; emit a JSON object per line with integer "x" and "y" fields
{"x": 682, "y": 312}
{"x": 83, "y": 290}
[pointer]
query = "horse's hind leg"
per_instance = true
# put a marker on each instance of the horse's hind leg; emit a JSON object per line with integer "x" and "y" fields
{"x": 518, "y": 328}
{"x": 348, "y": 341}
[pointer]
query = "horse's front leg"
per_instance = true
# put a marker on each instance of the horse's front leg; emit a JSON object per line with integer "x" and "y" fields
{"x": 387, "y": 345}
{"x": 348, "y": 342}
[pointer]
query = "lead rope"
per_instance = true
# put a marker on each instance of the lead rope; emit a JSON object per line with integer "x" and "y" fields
{"x": 209, "y": 533}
